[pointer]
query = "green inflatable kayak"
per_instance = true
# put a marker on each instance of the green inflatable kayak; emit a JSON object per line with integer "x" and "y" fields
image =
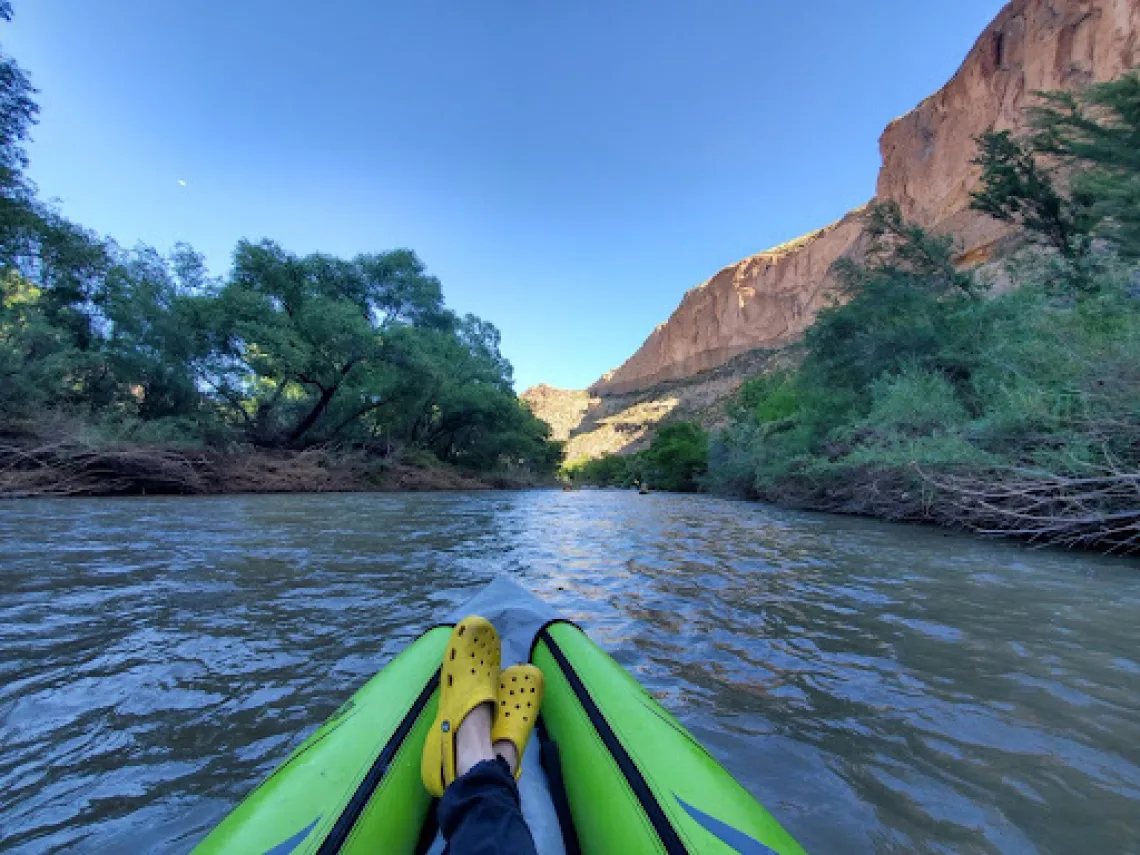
{"x": 610, "y": 770}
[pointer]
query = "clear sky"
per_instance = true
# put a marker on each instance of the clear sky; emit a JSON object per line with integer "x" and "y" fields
{"x": 568, "y": 168}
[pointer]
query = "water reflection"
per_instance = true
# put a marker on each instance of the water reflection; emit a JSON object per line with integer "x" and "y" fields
{"x": 879, "y": 687}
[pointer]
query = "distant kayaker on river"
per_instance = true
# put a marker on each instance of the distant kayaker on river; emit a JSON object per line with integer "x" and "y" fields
{"x": 473, "y": 755}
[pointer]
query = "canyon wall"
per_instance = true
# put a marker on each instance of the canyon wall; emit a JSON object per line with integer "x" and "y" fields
{"x": 769, "y": 299}
{"x": 562, "y": 409}
{"x": 765, "y": 301}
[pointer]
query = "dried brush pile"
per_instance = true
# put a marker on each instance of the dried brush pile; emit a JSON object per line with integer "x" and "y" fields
{"x": 74, "y": 468}
{"x": 1100, "y": 510}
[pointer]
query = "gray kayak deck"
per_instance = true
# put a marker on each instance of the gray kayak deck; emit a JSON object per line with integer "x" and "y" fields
{"x": 518, "y": 615}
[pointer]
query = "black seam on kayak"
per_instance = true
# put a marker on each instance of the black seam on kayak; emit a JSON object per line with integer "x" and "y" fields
{"x": 340, "y": 715}
{"x": 348, "y": 817}
{"x": 538, "y": 636}
{"x": 653, "y": 810}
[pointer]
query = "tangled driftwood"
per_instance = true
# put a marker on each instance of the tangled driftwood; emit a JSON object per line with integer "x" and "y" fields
{"x": 1100, "y": 510}
{"x": 71, "y": 468}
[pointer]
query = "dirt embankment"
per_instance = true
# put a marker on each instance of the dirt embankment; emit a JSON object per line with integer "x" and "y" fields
{"x": 74, "y": 468}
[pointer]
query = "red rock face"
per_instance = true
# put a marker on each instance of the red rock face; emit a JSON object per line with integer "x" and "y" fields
{"x": 764, "y": 301}
{"x": 769, "y": 299}
{"x": 1032, "y": 46}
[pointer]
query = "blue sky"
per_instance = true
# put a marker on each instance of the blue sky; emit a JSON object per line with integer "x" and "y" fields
{"x": 568, "y": 169}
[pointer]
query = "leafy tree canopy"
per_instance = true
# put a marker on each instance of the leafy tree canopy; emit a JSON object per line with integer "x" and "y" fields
{"x": 285, "y": 351}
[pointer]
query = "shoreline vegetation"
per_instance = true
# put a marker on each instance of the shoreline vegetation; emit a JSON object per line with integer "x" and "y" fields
{"x": 131, "y": 371}
{"x": 925, "y": 394}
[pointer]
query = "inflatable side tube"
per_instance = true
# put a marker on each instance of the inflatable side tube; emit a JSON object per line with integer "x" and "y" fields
{"x": 635, "y": 779}
{"x": 354, "y": 785}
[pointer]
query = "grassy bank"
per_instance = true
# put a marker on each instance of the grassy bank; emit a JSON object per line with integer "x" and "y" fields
{"x": 1016, "y": 414}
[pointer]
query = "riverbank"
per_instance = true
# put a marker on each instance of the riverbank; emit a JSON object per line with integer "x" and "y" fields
{"x": 75, "y": 468}
{"x": 998, "y": 395}
{"x": 1097, "y": 512}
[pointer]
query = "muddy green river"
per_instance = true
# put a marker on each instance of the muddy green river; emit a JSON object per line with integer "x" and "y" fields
{"x": 880, "y": 688}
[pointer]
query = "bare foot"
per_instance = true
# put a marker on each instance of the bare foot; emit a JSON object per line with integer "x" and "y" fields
{"x": 506, "y": 749}
{"x": 473, "y": 741}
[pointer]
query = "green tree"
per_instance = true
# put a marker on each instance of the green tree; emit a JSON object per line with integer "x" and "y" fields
{"x": 896, "y": 313}
{"x": 1097, "y": 133}
{"x": 455, "y": 397}
{"x": 1094, "y": 137}
{"x": 1016, "y": 188}
{"x": 900, "y": 247}
{"x": 294, "y": 334}
{"x": 287, "y": 351}
{"x": 51, "y": 272}
{"x": 18, "y": 112}
{"x": 677, "y": 456}
{"x": 153, "y": 336}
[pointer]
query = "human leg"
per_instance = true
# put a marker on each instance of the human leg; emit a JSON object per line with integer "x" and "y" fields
{"x": 472, "y": 755}
{"x": 480, "y": 812}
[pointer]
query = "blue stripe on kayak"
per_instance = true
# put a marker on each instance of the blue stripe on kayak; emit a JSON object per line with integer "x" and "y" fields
{"x": 287, "y": 846}
{"x": 725, "y": 833}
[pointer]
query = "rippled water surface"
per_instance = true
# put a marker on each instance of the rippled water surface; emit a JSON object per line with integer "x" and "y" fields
{"x": 880, "y": 688}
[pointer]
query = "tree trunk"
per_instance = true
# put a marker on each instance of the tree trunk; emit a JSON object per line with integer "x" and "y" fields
{"x": 315, "y": 413}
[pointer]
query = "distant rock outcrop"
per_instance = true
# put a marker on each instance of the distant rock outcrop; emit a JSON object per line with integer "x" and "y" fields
{"x": 594, "y": 426}
{"x": 562, "y": 409}
{"x": 765, "y": 301}
{"x": 769, "y": 299}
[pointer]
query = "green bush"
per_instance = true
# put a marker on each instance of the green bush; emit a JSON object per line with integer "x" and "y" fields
{"x": 676, "y": 460}
{"x": 914, "y": 402}
{"x": 677, "y": 457}
{"x": 609, "y": 470}
{"x": 1028, "y": 380}
{"x": 765, "y": 399}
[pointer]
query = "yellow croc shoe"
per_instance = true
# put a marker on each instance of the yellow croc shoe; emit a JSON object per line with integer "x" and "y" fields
{"x": 521, "y": 688}
{"x": 469, "y": 677}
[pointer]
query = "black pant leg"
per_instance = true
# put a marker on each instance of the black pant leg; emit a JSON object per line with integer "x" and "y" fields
{"x": 480, "y": 813}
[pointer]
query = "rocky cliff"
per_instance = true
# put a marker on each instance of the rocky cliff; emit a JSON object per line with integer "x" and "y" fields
{"x": 562, "y": 409}
{"x": 597, "y": 425}
{"x": 762, "y": 302}
{"x": 769, "y": 299}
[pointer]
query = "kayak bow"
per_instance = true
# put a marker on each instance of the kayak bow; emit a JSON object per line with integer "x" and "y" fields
{"x": 618, "y": 773}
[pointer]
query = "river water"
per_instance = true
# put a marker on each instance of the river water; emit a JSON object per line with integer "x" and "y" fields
{"x": 880, "y": 688}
